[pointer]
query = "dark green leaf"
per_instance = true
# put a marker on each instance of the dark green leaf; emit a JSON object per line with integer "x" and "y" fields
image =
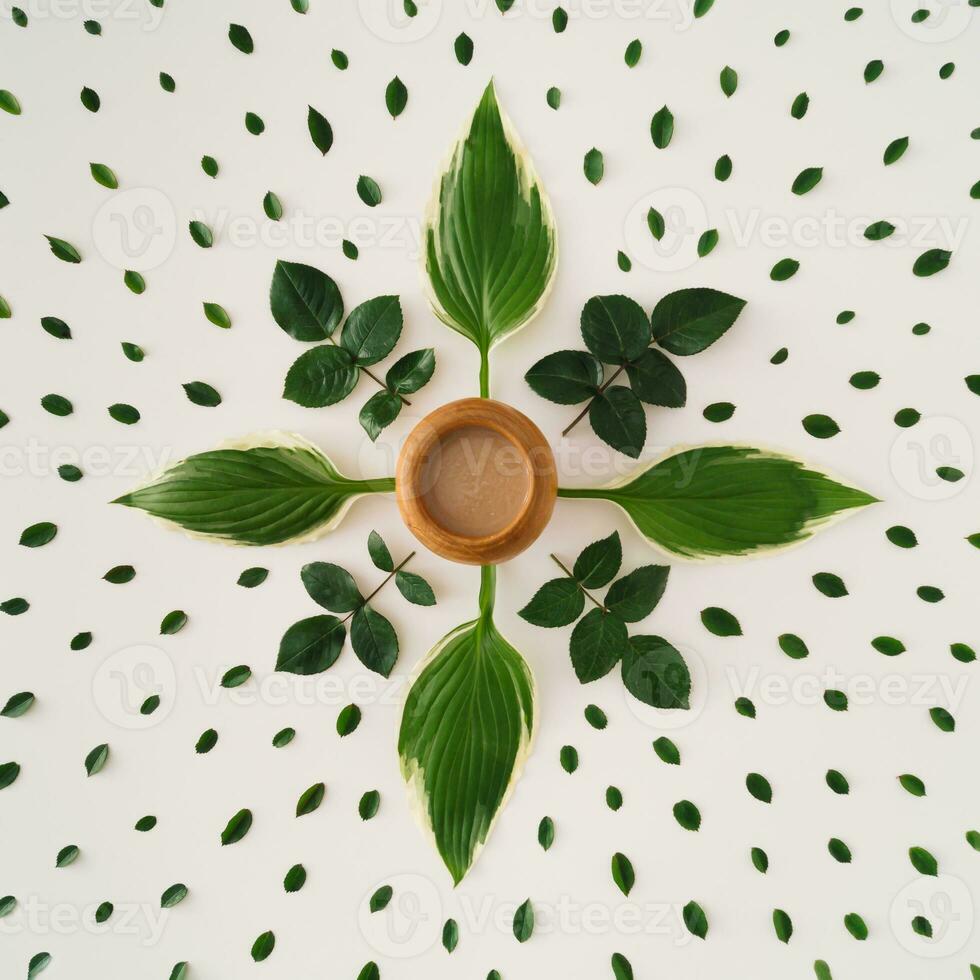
{"x": 835, "y": 700}
{"x": 923, "y": 861}
{"x": 879, "y": 230}
{"x": 758, "y": 786}
{"x": 124, "y": 414}
{"x": 369, "y": 971}
{"x": 760, "y": 860}
{"x": 921, "y": 926}
{"x": 830, "y": 585}
{"x": 723, "y": 167}
{"x": 784, "y": 269}
{"x": 378, "y": 412}
{"x": 368, "y": 805}
{"x": 782, "y": 924}
{"x": 174, "y": 895}
{"x": 272, "y": 206}
{"x": 856, "y": 926}
{"x": 558, "y": 602}
{"x": 331, "y": 586}
{"x": 546, "y": 832}
{"x": 38, "y": 535}
{"x": 701, "y": 7}
{"x": 411, "y": 372}
{"x": 96, "y": 759}
{"x": 820, "y": 426}
{"x": 150, "y": 704}
{"x": 282, "y": 738}
{"x": 615, "y": 329}
{"x": 209, "y": 165}
{"x": 322, "y": 376}
{"x": 63, "y": 250}
{"x": 463, "y": 47}
{"x": 380, "y": 555}
{"x": 252, "y": 577}
{"x": 622, "y": 873}
{"x": 622, "y": 970}
{"x": 895, "y": 150}
{"x": 912, "y": 784}
{"x": 15, "y": 606}
{"x": 380, "y": 899}
{"x": 942, "y": 719}
{"x": 67, "y": 855}
{"x": 690, "y": 320}
{"x": 568, "y": 757}
{"x": 617, "y": 417}
{"x": 254, "y": 123}
{"x": 241, "y": 38}
{"x": 888, "y": 645}
{"x": 57, "y": 405}
{"x": 598, "y": 641}
{"x": 396, "y": 97}
{"x": 962, "y": 652}
{"x": 9, "y": 103}
{"x": 655, "y": 673}
{"x": 80, "y": 641}
{"x": 415, "y": 588}
{"x": 237, "y": 827}
{"x": 450, "y": 935}
{"x": 374, "y": 641}
{"x": 553, "y": 97}
{"x": 103, "y": 912}
{"x": 781, "y": 38}
{"x": 707, "y": 242}
{"x": 656, "y": 224}
{"x": 37, "y": 963}
{"x": 372, "y": 329}
{"x": 593, "y": 166}
{"x": 566, "y": 377}
{"x": 695, "y": 919}
{"x": 236, "y": 676}
{"x": 90, "y": 99}
{"x": 596, "y": 717}
{"x": 56, "y": 327}
{"x": 745, "y": 707}
{"x": 167, "y": 82}
{"x": 614, "y": 798}
{"x": 310, "y": 800}
{"x": 69, "y": 473}
{"x": 901, "y": 537}
{"x": 633, "y": 51}
{"x": 662, "y": 128}
{"x": 368, "y": 191}
{"x": 667, "y": 751}
{"x": 9, "y": 771}
{"x": 720, "y": 622}
{"x": 201, "y": 234}
{"x": 348, "y": 720}
{"x": 295, "y": 878}
{"x": 201, "y": 393}
{"x": 599, "y": 562}
{"x": 635, "y": 596}
{"x": 17, "y": 704}
{"x": 839, "y": 851}
{"x": 133, "y": 352}
{"x": 339, "y": 59}
{"x": 218, "y": 315}
{"x": 173, "y": 622}
{"x": 687, "y": 815}
{"x": 931, "y": 262}
{"x": 873, "y": 69}
{"x": 311, "y": 645}
{"x": 263, "y": 946}
{"x": 800, "y": 105}
{"x": 321, "y": 131}
{"x": 623, "y": 261}
{"x": 523, "y": 924}
{"x": 719, "y": 411}
{"x": 807, "y": 179}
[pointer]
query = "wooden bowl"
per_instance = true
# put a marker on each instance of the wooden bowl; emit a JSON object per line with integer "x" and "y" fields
{"x": 533, "y": 451}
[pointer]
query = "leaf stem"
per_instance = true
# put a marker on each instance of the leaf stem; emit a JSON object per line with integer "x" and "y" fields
{"x": 484, "y": 372}
{"x": 583, "y": 590}
{"x": 388, "y": 578}
{"x": 374, "y": 377}
{"x": 605, "y": 384}
{"x": 488, "y": 589}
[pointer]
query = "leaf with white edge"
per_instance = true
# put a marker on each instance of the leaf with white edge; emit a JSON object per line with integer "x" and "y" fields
{"x": 490, "y": 244}
{"x": 266, "y": 489}
{"x": 727, "y": 500}
{"x": 465, "y": 734}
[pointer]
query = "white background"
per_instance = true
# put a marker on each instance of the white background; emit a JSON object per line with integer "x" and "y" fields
{"x": 154, "y": 140}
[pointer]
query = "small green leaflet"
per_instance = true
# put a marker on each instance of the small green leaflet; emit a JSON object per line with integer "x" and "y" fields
{"x": 593, "y": 166}
{"x": 263, "y": 946}
{"x": 254, "y": 124}
{"x": 206, "y": 742}
{"x": 201, "y": 393}
{"x": 807, "y": 179}
{"x": 729, "y": 81}
{"x": 568, "y": 758}
{"x": 201, "y": 234}
{"x": 283, "y": 738}
{"x": 622, "y": 970}
{"x": 396, "y": 97}
{"x": 873, "y": 70}
{"x": 523, "y": 924}
{"x": 912, "y": 784}
{"x": 63, "y": 250}
{"x": 253, "y": 577}
{"x": 368, "y": 191}
{"x": 38, "y": 535}
{"x": 596, "y": 717}
{"x": 236, "y": 676}
{"x": 96, "y": 759}
{"x": 856, "y": 926}
{"x": 820, "y": 426}
{"x": 321, "y": 131}
{"x": 931, "y": 262}
{"x": 923, "y": 861}
{"x": 310, "y": 800}
{"x": 895, "y": 150}
{"x": 173, "y": 622}
{"x": 368, "y": 805}
{"x": 241, "y": 38}
{"x": 758, "y": 786}
{"x": 800, "y": 105}
{"x": 272, "y": 206}
{"x": 380, "y": 899}
{"x": 463, "y": 48}
{"x": 37, "y": 963}
{"x": 695, "y": 919}
{"x": 103, "y": 175}
{"x": 67, "y": 855}
{"x": 174, "y": 895}
{"x": 622, "y": 873}
{"x": 662, "y": 128}
{"x": 348, "y": 720}
{"x": 237, "y": 827}
{"x": 632, "y": 54}
{"x": 720, "y": 622}
{"x": 687, "y": 815}
{"x": 17, "y": 704}
{"x": 667, "y": 751}
{"x": 782, "y": 924}
{"x": 339, "y": 59}
{"x": 830, "y": 584}
{"x": 546, "y": 833}
{"x": 450, "y": 935}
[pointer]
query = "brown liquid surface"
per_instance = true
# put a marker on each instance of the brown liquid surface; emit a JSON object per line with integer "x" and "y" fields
{"x": 474, "y": 482}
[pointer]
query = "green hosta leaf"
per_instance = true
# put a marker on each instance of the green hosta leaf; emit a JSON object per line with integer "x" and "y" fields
{"x": 557, "y": 603}
{"x": 372, "y": 329}
{"x": 695, "y": 920}
{"x": 523, "y": 924}
{"x": 622, "y": 873}
{"x": 566, "y": 377}
{"x": 311, "y": 645}
{"x": 662, "y": 128}
{"x": 689, "y": 320}
{"x": 598, "y": 642}
{"x": 305, "y": 302}
{"x": 727, "y": 500}
{"x": 599, "y": 562}
{"x": 322, "y": 376}
{"x": 320, "y": 129}
{"x": 489, "y": 284}
{"x": 617, "y": 417}
{"x": 264, "y": 490}
{"x": 465, "y": 734}
{"x": 374, "y": 640}
{"x": 237, "y": 827}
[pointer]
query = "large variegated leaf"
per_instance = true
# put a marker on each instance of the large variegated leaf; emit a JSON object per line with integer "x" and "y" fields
{"x": 266, "y": 489}
{"x": 465, "y": 734}
{"x": 490, "y": 247}
{"x": 728, "y": 501}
